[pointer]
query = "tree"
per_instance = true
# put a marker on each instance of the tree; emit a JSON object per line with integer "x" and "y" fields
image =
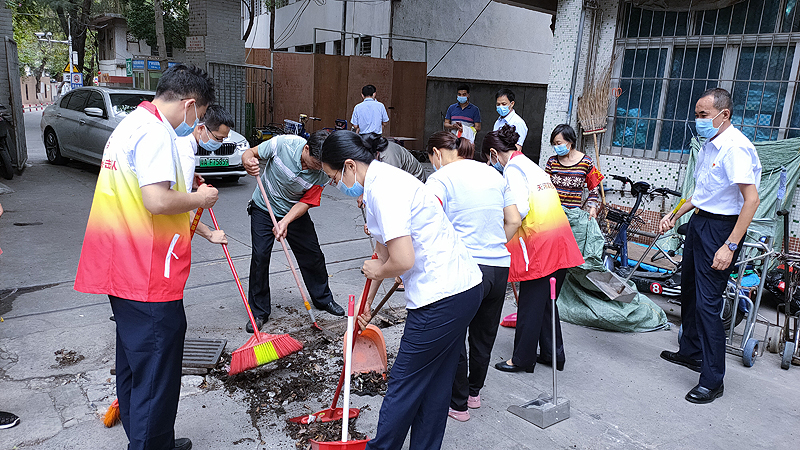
{"x": 40, "y": 58}
{"x": 175, "y": 16}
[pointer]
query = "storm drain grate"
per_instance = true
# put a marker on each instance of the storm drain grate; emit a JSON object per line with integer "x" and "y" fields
{"x": 200, "y": 355}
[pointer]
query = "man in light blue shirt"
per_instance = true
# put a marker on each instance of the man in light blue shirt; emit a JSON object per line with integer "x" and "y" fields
{"x": 369, "y": 115}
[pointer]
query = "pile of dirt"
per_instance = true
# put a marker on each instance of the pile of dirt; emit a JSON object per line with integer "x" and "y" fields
{"x": 65, "y": 358}
{"x": 321, "y": 432}
{"x": 371, "y": 383}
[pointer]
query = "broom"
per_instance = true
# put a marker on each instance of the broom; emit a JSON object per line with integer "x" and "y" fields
{"x": 593, "y": 113}
{"x": 261, "y": 348}
{"x": 112, "y": 414}
{"x": 510, "y": 321}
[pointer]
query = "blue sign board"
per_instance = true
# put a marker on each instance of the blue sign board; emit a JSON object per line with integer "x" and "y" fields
{"x": 153, "y": 65}
{"x": 171, "y": 63}
{"x": 138, "y": 64}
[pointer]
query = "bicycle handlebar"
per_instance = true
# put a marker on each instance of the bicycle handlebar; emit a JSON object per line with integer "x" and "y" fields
{"x": 666, "y": 191}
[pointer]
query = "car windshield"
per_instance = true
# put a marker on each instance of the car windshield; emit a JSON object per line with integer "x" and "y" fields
{"x": 127, "y": 102}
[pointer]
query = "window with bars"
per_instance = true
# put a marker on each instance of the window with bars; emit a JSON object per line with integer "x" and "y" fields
{"x": 364, "y": 45}
{"x": 667, "y": 59}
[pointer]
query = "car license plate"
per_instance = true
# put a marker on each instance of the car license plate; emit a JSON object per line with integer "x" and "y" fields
{"x": 214, "y": 162}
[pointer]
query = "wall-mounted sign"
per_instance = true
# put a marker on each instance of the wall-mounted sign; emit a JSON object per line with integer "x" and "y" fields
{"x": 171, "y": 64}
{"x": 153, "y": 65}
{"x": 128, "y": 67}
{"x": 195, "y": 43}
{"x": 138, "y": 64}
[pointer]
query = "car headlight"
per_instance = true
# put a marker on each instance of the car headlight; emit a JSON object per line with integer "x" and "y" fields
{"x": 242, "y": 146}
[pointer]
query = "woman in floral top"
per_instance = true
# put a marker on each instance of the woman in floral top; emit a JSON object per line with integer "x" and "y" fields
{"x": 570, "y": 170}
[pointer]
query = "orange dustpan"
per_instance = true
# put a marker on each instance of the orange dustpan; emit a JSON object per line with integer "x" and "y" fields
{"x": 369, "y": 352}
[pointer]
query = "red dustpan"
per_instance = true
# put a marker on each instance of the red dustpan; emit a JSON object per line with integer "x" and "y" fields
{"x": 345, "y": 443}
{"x": 334, "y": 413}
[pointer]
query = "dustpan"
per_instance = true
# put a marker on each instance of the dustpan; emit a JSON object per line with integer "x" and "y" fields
{"x": 348, "y": 350}
{"x": 369, "y": 352}
{"x": 613, "y": 286}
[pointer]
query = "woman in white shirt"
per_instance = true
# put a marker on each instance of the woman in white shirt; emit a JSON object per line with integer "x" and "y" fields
{"x": 543, "y": 247}
{"x": 479, "y": 204}
{"x": 443, "y": 288}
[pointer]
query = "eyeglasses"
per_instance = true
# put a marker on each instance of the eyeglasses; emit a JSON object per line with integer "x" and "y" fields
{"x": 218, "y": 139}
{"x": 333, "y": 181}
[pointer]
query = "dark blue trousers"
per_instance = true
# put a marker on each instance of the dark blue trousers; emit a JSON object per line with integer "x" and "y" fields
{"x": 421, "y": 380}
{"x": 701, "y": 297}
{"x": 149, "y": 352}
{"x": 534, "y": 317}
{"x": 302, "y": 238}
{"x": 482, "y": 333}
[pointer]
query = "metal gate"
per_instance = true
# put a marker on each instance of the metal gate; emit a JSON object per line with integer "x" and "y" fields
{"x": 19, "y": 150}
{"x": 245, "y": 90}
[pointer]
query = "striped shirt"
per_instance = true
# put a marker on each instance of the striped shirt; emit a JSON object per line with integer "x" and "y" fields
{"x": 570, "y": 180}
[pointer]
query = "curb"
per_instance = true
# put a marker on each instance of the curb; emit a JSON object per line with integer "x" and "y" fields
{"x": 32, "y": 108}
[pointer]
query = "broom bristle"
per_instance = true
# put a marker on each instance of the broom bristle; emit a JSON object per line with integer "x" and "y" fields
{"x": 112, "y": 415}
{"x": 262, "y": 348}
{"x": 593, "y": 104}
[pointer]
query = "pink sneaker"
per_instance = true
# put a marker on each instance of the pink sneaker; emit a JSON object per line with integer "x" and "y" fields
{"x": 474, "y": 402}
{"x": 461, "y": 416}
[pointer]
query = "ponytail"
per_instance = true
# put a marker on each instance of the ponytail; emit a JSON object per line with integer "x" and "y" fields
{"x": 375, "y": 142}
{"x": 449, "y": 141}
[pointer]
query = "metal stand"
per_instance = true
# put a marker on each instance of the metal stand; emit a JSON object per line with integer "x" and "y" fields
{"x": 546, "y": 410}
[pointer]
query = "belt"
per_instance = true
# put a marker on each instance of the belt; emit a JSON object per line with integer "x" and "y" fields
{"x": 724, "y": 217}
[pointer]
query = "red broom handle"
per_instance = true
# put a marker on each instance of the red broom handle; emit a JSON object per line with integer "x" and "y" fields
{"x": 361, "y": 306}
{"x": 236, "y": 277}
{"x": 195, "y": 222}
{"x": 286, "y": 251}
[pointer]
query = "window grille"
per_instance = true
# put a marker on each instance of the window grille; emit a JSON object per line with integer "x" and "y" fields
{"x": 667, "y": 59}
{"x": 364, "y": 45}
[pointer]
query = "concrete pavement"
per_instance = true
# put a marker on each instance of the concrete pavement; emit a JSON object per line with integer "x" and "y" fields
{"x": 623, "y": 396}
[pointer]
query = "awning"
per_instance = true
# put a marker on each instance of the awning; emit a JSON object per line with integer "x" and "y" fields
{"x": 544, "y": 6}
{"x": 684, "y": 5}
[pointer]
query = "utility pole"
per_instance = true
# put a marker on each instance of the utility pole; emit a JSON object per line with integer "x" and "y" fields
{"x": 271, "y": 27}
{"x": 162, "y": 45}
{"x": 344, "y": 26}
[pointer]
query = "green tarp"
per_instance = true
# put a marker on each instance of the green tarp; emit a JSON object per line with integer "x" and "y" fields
{"x": 582, "y": 303}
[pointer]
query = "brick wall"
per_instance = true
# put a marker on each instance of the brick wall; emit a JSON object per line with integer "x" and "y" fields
{"x": 219, "y": 22}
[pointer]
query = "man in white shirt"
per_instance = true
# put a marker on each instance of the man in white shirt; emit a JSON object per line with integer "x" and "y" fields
{"x": 504, "y": 100}
{"x": 209, "y": 134}
{"x": 727, "y": 176}
{"x": 369, "y": 115}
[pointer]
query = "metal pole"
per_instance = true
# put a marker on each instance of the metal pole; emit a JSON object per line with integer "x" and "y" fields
{"x": 344, "y": 25}
{"x": 69, "y": 41}
{"x": 575, "y": 64}
{"x": 553, "y": 336}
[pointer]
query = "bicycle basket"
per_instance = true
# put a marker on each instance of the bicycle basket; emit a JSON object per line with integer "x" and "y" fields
{"x": 611, "y": 220}
{"x": 292, "y": 127}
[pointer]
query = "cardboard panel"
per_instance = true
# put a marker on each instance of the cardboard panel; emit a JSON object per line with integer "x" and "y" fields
{"x": 294, "y": 85}
{"x": 377, "y": 72}
{"x": 330, "y": 90}
{"x": 407, "y": 116}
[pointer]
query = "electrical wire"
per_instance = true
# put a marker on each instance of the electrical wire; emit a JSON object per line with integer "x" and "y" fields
{"x": 292, "y": 27}
{"x": 459, "y": 38}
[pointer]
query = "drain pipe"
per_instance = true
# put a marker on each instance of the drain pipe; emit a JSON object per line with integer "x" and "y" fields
{"x": 575, "y": 64}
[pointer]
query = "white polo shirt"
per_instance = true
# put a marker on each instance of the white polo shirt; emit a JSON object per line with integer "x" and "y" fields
{"x": 400, "y": 205}
{"x": 723, "y": 164}
{"x": 473, "y": 196}
{"x": 187, "y": 149}
{"x": 514, "y": 120}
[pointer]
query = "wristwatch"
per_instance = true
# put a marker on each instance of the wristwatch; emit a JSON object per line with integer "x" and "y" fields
{"x": 731, "y": 245}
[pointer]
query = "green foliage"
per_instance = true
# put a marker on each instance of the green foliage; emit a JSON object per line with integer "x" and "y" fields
{"x": 141, "y": 22}
{"x": 40, "y": 58}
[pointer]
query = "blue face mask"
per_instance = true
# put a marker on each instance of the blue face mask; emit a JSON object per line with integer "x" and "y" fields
{"x": 461, "y": 99}
{"x": 503, "y": 110}
{"x": 499, "y": 167}
{"x": 561, "y": 150}
{"x": 211, "y": 144}
{"x": 705, "y": 127}
{"x": 355, "y": 191}
{"x": 184, "y": 129}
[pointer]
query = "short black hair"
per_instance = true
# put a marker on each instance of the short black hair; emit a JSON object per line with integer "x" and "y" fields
{"x": 182, "y": 81}
{"x": 463, "y": 87}
{"x": 505, "y": 92}
{"x": 315, "y": 142}
{"x": 216, "y": 116}
{"x": 566, "y": 132}
{"x": 722, "y": 98}
{"x": 368, "y": 90}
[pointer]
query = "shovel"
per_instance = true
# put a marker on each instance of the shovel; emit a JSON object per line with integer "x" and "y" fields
{"x": 614, "y": 286}
{"x": 344, "y": 443}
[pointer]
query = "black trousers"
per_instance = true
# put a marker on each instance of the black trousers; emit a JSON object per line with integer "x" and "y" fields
{"x": 701, "y": 297}
{"x": 302, "y": 238}
{"x": 149, "y": 352}
{"x": 534, "y": 317}
{"x": 422, "y": 375}
{"x": 481, "y": 335}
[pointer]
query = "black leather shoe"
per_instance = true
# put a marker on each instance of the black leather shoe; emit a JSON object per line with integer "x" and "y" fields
{"x": 260, "y": 321}
{"x": 506, "y": 367}
{"x": 702, "y": 395}
{"x": 333, "y": 308}
{"x": 182, "y": 444}
{"x": 549, "y": 362}
{"x": 677, "y": 358}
